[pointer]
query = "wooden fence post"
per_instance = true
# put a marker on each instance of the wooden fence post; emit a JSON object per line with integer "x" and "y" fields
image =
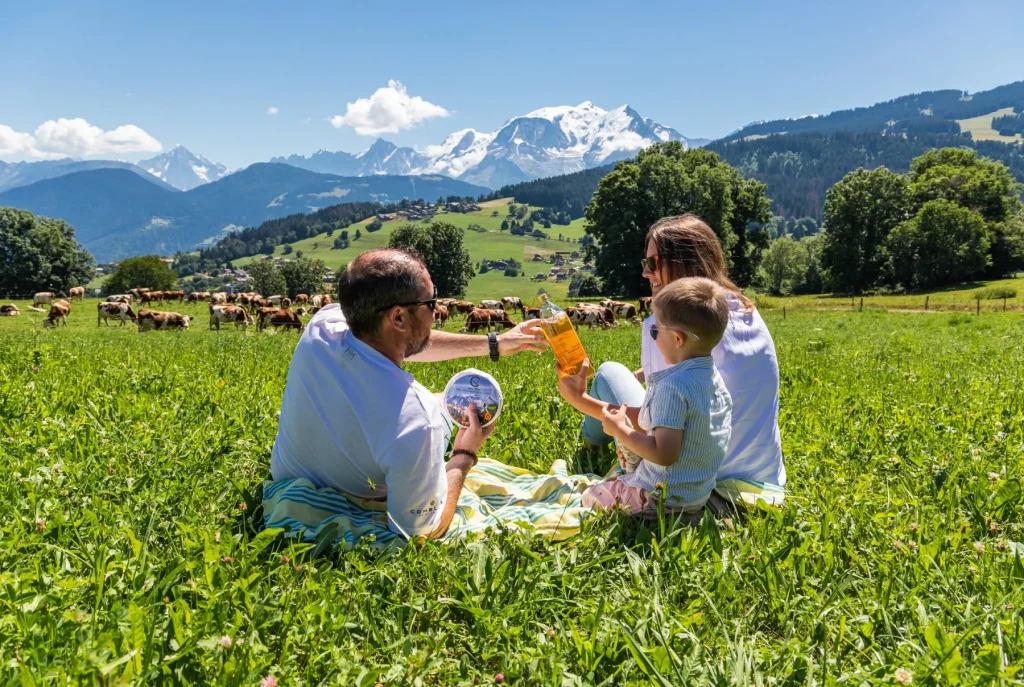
{"x": 1004, "y": 303}
{"x": 851, "y": 303}
{"x": 926, "y": 302}
{"x": 861, "y": 308}
{"x": 783, "y": 312}
{"x": 978, "y": 311}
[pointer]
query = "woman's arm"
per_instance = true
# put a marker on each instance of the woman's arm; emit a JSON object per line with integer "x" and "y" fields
{"x": 573, "y": 388}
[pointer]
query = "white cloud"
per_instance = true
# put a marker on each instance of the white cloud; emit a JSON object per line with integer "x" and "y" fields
{"x": 272, "y": 111}
{"x": 388, "y": 111}
{"x": 76, "y": 138}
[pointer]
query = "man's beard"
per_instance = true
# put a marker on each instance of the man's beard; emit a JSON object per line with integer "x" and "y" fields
{"x": 415, "y": 346}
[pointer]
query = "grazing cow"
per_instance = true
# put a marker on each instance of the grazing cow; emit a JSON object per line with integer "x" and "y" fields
{"x": 447, "y": 302}
{"x": 440, "y": 315}
{"x": 76, "y": 292}
{"x": 197, "y": 296}
{"x": 155, "y": 319}
{"x": 275, "y": 300}
{"x": 491, "y": 305}
{"x": 287, "y": 319}
{"x": 219, "y": 297}
{"x": 43, "y": 298}
{"x": 174, "y": 295}
{"x": 117, "y": 311}
{"x": 137, "y": 292}
{"x": 10, "y": 310}
{"x": 301, "y": 312}
{"x": 229, "y": 313}
{"x": 624, "y": 310}
{"x": 316, "y": 301}
{"x": 302, "y": 298}
{"x": 463, "y": 307}
{"x": 286, "y": 303}
{"x": 149, "y": 296}
{"x": 58, "y": 311}
{"x": 120, "y": 298}
{"x": 645, "y": 306}
{"x": 263, "y": 315}
{"x": 531, "y": 313}
{"x": 601, "y": 317}
{"x": 511, "y": 304}
{"x": 484, "y": 319}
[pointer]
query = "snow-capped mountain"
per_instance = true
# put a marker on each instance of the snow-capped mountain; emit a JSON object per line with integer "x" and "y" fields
{"x": 545, "y": 142}
{"x": 183, "y": 169}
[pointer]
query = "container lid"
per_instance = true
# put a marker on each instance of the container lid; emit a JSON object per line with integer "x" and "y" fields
{"x": 472, "y": 386}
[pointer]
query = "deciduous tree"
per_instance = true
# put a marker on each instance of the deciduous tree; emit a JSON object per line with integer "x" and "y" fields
{"x": 440, "y": 245}
{"x": 40, "y": 254}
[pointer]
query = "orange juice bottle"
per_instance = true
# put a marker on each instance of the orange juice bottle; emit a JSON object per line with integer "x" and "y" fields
{"x": 562, "y": 338}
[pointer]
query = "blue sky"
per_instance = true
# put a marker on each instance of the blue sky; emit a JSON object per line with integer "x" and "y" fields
{"x": 205, "y": 74}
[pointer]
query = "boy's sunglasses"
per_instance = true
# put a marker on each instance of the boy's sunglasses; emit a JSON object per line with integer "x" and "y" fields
{"x": 431, "y": 302}
{"x": 654, "y": 332}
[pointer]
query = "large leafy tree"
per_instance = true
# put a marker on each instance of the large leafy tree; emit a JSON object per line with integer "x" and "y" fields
{"x": 303, "y": 275}
{"x": 440, "y": 244}
{"x": 942, "y": 244}
{"x": 665, "y": 179}
{"x": 860, "y": 211}
{"x": 147, "y": 271}
{"x": 266, "y": 279}
{"x": 40, "y": 254}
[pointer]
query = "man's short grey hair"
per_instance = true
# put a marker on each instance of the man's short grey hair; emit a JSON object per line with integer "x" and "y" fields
{"x": 376, "y": 279}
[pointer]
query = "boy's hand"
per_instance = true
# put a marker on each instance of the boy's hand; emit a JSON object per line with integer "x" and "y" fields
{"x": 614, "y": 420}
{"x": 573, "y": 387}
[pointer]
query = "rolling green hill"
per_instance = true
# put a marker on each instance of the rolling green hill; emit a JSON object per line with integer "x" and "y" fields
{"x": 492, "y": 244}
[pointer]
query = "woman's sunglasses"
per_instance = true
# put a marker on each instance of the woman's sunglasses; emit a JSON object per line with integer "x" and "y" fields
{"x": 655, "y": 331}
{"x": 651, "y": 262}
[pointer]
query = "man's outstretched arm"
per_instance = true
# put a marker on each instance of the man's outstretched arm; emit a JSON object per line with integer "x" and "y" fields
{"x": 526, "y": 336}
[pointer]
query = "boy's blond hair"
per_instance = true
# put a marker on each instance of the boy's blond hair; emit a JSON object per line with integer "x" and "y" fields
{"x": 697, "y": 305}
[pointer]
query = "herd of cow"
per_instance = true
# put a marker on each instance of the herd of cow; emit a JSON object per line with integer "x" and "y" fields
{"x": 243, "y": 309}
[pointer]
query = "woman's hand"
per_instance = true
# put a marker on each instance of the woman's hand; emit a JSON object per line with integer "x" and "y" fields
{"x": 614, "y": 421}
{"x": 573, "y": 387}
{"x": 525, "y": 336}
{"x": 473, "y": 437}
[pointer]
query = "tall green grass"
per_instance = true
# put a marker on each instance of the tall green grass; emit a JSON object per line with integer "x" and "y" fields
{"x": 127, "y": 553}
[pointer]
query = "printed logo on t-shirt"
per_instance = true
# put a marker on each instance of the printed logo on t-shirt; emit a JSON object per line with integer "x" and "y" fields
{"x": 434, "y": 505}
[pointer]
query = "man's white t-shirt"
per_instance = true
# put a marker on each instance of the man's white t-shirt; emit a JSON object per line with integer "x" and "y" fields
{"x": 352, "y": 420}
{"x": 745, "y": 357}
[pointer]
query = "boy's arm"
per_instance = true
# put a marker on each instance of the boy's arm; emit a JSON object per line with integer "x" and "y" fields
{"x": 573, "y": 388}
{"x": 661, "y": 448}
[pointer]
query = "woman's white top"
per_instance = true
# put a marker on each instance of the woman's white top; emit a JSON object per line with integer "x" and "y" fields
{"x": 745, "y": 358}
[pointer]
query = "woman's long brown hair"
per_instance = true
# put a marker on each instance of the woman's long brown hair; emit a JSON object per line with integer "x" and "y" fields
{"x": 690, "y": 248}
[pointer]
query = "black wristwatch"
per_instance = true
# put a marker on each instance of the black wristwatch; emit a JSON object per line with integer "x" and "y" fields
{"x": 492, "y": 341}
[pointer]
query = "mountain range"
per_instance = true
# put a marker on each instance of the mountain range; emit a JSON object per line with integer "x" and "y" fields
{"x": 183, "y": 169}
{"x": 119, "y": 212}
{"x": 543, "y": 143}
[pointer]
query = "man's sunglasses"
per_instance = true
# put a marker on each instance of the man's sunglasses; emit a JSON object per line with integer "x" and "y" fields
{"x": 655, "y": 331}
{"x": 431, "y": 302}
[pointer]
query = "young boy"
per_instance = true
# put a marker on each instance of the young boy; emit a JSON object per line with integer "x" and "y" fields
{"x": 686, "y": 416}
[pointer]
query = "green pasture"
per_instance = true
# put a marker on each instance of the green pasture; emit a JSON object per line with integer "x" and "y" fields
{"x": 128, "y": 554}
{"x": 981, "y": 127}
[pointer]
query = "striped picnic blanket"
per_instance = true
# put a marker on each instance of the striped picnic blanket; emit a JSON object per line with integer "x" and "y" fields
{"x": 494, "y": 495}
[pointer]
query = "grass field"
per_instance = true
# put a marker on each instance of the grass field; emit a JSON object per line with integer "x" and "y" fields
{"x": 126, "y": 556}
{"x": 960, "y": 297}
{"x": 981, "y": 127}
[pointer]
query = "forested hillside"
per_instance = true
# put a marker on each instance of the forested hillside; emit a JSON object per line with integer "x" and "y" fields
{"x": 565, "y": 193}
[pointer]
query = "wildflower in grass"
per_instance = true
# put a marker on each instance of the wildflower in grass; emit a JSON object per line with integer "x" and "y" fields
{"x": 299, "y": 568}
{"x": 499, "y": 678}
{"x": 242, "y": 506}
{"x": 43, "y": 452}
{"x": 550, "y": 633}
{"x": 912, "y": 546}
{"x": 914, "y": 527}
{"x": 993, "y": 526}
{"x": 268, "y": 681}
{"x": 994, "y": 477}
{"x": 979, "y": 546}
{"x": 228, "y": 559}
{"x": 40, "y": 524}
{"x": 191, "y": 584}
{"x": 1003, "y": 545}
{"x": 17, "y": 475}
{"x": 225, "y": 642}
{"x": 903, "y": 676}
{"x": 285, "y": 559}
{"x": 216, "y": 536}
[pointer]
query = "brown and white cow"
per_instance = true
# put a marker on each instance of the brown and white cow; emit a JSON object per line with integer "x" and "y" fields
{"x": 482, "y": 318}
{"x": 491, "y": 305}
{"x": 287, "y": 319}
{"x": 137, "y": 292}
{"x": 197, "y": 296}
{"x": 219, "y": 297}
{"x": 601, "y": 317}
{"x": 512, "y": 303}
{"x": 275, "y": 300}
{"x": 302, "y": 298}
{"x": 117, "y": 311}
{"x": 229, "y": 313}
{"x": 120, "y": 298}
{"x": 624, "y": 310}
{"x": 263, "y": 314}
{"x": 155, "y": 319}
{"x": 440, "y": 315}
{"x": 645, "y": 306}
{"x": 174, "y": 295}
{"x": 43, "y": 298}
{"x": 531, "y": 313}
{"x": 462, "y": 308}
{"x": 150, "y": 296}
{"x": 58, "y": 311}
{"x": 76, "y": 292}
{"x": 10, "y": 310}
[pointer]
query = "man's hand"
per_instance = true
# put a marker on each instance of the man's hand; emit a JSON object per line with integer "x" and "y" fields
{"x": 573, "y": 387}
{"x": 526, "y": 336}
{"x": 615, "y": 422}
{"x": 473, "y": 437}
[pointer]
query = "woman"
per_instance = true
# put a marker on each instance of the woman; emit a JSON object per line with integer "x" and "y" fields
{"x": 684, "y": 246}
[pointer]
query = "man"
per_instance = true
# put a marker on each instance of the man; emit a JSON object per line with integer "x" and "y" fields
{"x": 353, "y": 420}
